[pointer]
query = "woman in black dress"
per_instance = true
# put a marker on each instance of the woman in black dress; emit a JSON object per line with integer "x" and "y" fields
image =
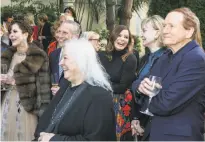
{"x": 121, "y": 65}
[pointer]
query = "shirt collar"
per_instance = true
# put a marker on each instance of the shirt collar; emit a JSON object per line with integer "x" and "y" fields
{"x": 61, "y": 53}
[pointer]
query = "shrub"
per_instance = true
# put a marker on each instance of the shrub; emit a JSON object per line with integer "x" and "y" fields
{"x": 19, "y": 9}
{"x": 162, "y": 7}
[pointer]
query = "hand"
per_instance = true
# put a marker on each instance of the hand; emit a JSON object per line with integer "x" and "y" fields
{"x": 146, "y": 87}
{"x": 55, "y": 89}
{"x": 1, "y": 33}
{"x": 136, "y": 128}
{"x": 10, "y": 80}
{"x": 45, "y": 137}
{"x": 41, "y": 37}
{"x": 5, "y": 78}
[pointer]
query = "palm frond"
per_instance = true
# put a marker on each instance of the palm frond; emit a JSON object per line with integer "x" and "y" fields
{"x": 138, "y": 4}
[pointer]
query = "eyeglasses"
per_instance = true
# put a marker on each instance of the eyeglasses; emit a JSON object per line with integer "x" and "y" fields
{"x": 94, "y": 39}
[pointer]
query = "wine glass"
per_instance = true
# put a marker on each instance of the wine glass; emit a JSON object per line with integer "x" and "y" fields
{"x": 3, "y": 75}
{"x": 135, "y": 137}
{"x": 140, "y": 130}
{"x": 156, "y": 81}
{"x": 54, "y": 80}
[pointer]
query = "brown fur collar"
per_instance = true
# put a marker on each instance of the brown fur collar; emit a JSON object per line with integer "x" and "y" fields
{"x": 35, "y": 57}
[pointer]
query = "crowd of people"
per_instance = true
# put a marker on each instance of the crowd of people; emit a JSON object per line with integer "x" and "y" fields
{"x": 59, "y": 84}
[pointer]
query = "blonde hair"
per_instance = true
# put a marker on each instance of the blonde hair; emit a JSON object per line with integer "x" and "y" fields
{"x": 89, "y": 35}
{"x": 191, "y": 20}
{"x": 29, "y": 18}
{"x": 61, "y": 16}
{"x": 92, "y": 34}
{"x": 43, "y": 17}
{"x": 55, "y": 26}
{"x": 157, "y": 23}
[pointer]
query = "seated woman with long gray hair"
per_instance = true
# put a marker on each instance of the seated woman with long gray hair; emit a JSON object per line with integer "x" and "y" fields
{"x": 83, "y": 110}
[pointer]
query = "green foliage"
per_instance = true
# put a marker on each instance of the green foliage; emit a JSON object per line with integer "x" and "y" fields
{"x": 138, "y": 44}
{"x": 104, "y": 34}
{"x": 95, "y": 8}
{"x": 137, "y": 4}
{"x": 21, "y": 7}
{"x": 162, "y": 7}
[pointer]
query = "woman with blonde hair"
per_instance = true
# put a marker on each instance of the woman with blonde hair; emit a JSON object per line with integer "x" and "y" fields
{"x": 152, "y": 28}
{"x": 29, "y": 18}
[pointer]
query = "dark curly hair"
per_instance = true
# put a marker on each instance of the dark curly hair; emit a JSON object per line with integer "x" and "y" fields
{"x": 24, "y": 26}
{"x": 5, "y": 16}
{"x": 72, "y": 11}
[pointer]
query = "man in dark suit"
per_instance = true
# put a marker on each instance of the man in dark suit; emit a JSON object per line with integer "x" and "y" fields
{"x": 68, "y": 30}
{"x": 54, "y": 59}
{"x": 179, "y": 106}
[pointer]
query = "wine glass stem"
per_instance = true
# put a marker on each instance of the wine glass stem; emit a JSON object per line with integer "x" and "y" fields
{"x": 150, "y": 98}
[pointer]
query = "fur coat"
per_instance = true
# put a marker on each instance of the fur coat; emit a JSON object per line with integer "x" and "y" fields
{"x": 32, "y": 78}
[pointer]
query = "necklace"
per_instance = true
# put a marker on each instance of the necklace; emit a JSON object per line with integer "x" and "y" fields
{"x": 57, "y": 115}
{"x": 20, "y": 53}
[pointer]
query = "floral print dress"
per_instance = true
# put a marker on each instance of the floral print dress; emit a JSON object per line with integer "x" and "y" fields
{"x": 122, "y": 108}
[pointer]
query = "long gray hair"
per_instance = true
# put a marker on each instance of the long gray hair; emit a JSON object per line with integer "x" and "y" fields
{"x": 87, "y": 60}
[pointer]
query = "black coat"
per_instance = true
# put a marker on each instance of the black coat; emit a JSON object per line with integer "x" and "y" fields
{"x": 46, "y": 31}
{"x": 91, "y": 117}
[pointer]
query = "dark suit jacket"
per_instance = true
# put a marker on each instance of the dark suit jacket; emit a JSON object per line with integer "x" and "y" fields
{"x": 54, "y": 66}
{"x": 178, "y": 108}
{"x": 91, "y": 117}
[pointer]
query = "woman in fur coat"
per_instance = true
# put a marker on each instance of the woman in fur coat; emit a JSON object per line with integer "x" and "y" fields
{"x": 29, "y": 80}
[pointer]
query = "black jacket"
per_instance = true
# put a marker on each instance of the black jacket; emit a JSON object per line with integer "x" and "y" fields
{"x": 90, "y": 118}
{"x": 46, "y": 31}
